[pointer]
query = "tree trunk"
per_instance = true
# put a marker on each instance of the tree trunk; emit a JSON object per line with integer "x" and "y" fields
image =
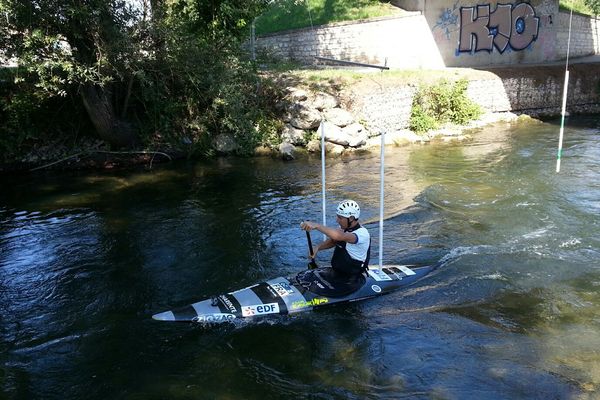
{"x": 116, "y": 132}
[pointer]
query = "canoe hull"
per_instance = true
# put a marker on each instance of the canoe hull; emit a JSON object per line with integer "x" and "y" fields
{"x": 282, "y": 296}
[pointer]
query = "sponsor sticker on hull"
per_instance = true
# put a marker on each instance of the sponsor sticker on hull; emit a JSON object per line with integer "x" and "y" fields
{"x": 379, "y": 275}
{"x": 310, "y": 303}
{"x": 282, "y": 288}
{"x": 216, "y": 317}
{"x": 249, "y": 311}
{"x": 230, "y": 306}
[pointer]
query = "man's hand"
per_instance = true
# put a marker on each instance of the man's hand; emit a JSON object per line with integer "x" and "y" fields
{"x": 308, "y": 225}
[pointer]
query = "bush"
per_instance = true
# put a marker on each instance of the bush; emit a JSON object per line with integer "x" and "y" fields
{"x": 27, "y": 119}
{"x": 420, "y": 120}
{"x": 216, "y": 94}
{"x": 441, "y": 103}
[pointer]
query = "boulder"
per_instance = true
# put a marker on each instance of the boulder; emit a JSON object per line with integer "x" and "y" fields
{"x": 292, "y": 135}
{"x": 356, "y": 134}
{"x": 314, "y": 146}
{"x": 322, "y": 101}
{"x": 224, "y": 143}
{"x": 338, "y": 117}
{"x": 333, "y": 133}
{"x": 287, "y": 150}
{"x": 297, "y": 94}
{"x": 262, "y": 151}
{"x": 358, "y": 140}
{"x": 305, "y": 117}
{"x": 334, "y": 149}
{"x": 353, "y": 129}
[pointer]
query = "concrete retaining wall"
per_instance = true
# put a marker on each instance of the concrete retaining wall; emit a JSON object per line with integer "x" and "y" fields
{"x": 402, "y": 41}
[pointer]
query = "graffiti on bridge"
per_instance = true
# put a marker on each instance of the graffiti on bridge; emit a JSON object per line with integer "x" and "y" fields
{"x": 516, "y": 26}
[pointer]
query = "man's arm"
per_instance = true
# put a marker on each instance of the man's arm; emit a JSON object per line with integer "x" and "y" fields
{"x": 335, "y": 235}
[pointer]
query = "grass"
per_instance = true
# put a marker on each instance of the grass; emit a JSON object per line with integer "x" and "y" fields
{"x": 398, "y": 76}
{"x": 293, "y": 14}
{"x": 578, "y": 6}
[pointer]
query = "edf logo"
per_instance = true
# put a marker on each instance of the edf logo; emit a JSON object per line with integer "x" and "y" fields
{"x": 268, "y": 308}
{"x": 516, "y": 26}
{"x": 271, "y": 308}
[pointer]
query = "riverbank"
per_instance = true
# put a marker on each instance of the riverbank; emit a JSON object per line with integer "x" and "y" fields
{"x": 340, "y": 107}
{"x": 352, "y": 108}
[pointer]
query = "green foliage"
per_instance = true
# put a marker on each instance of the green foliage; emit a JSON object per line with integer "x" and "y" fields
{"x": 420, "y": 120}
{"x": 587, "y": 7}
{"x": 440, "y": 103}
{"x": 205, "y": 94}
{"x": 175, "y": 69}
{"x": 15, "y": 108}
{"x": 293, "y": 14}
{"x": 28, "y": 119}
{"x": 594, "y": 6}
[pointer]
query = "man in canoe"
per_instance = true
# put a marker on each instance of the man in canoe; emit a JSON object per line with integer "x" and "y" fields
{"x": 352, "y": 242}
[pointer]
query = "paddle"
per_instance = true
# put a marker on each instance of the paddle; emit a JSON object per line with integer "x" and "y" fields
{"x": 312, "y": 264}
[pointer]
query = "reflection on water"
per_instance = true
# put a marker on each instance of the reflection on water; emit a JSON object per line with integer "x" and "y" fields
{"x": 85, "y": 259}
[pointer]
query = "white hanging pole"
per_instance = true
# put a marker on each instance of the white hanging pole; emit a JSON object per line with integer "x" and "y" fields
{"x": 323, "y": 176}
{"x": 381, "y": 191}
{"x": 562, "y": 123}
{"x": 564, "y": 100}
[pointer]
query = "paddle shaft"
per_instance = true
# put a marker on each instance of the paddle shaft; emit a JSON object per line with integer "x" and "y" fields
{"x": 312, "y": 264}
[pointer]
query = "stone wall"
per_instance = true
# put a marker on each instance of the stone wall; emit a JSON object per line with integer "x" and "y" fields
{"x": 585, "y": 35}
{"x": 447, "y": 33}
{"x": 402, "y": 41}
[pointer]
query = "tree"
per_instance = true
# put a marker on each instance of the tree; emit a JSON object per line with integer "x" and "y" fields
{"x": 109, "y": 53}
{"x": 594, "y": 5}
{"x": 75, "y": 47}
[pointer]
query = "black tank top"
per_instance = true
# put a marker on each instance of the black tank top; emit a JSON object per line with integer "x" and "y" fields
{"x": 343, "y": 263}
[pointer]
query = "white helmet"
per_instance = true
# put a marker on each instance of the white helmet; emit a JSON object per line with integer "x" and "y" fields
{"x": 348, "y": 208}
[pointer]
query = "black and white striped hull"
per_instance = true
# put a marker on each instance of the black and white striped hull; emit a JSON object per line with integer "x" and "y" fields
{"x": 286, "y": 296}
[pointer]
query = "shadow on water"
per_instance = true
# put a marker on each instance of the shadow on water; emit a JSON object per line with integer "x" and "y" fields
{"x": 514, "y": 312}
{"x": 76, "y": 280}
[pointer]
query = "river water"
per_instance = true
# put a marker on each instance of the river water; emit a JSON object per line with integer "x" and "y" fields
{"x": 513, "y": 311}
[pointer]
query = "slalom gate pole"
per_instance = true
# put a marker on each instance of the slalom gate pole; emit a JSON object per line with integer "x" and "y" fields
{"x": 381, "y": 193}
{"x": 564, "y": 101}
{"x": 324, "y": 202}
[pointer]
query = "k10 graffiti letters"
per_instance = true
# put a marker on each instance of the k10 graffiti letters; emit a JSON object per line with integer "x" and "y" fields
{"x": 516, "y": 26}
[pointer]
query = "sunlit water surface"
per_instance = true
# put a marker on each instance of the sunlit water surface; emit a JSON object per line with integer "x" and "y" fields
{"x": 512, "y": 312}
